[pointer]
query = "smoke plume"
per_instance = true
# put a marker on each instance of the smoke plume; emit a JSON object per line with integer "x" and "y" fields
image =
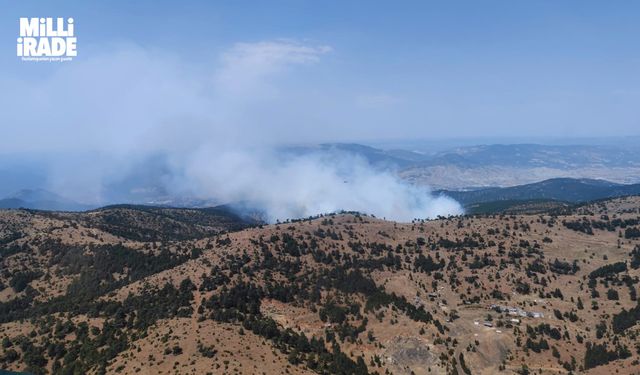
{"x": 216, "y": 126}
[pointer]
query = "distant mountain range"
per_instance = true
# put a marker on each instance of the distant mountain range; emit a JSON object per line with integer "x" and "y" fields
{"x": 539, "y": 194}
{"x": 538, "y": 156}
{"x": 564, "y": 190}
{"x": 510, "y": 155}
{"x": 41, "y": 199}
{"x": 560, "y": 189}
{"x": 497, "y": 165}
{"x": 470, "y": 174}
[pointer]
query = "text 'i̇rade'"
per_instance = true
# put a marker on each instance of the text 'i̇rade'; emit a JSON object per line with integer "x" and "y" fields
{"x": 47, "y": 38}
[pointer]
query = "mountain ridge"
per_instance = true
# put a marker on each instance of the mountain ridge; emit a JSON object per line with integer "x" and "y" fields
{"x": 558, "y": 189}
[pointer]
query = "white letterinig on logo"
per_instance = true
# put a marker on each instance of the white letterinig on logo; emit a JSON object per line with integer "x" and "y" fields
{"x": 47, "y": 39}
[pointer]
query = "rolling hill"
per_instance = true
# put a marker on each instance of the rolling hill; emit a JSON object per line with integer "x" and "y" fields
{"x": 130, "y": 290}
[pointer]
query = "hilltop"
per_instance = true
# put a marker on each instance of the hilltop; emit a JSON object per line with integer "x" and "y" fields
{"x": 119, "y": 291}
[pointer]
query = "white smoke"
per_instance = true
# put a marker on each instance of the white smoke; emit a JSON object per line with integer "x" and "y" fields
{"x": 307, "y": 185}
{"x": 218, "y": 127}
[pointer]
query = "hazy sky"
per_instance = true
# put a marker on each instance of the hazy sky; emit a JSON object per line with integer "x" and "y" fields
{"x": 325, "y": 70}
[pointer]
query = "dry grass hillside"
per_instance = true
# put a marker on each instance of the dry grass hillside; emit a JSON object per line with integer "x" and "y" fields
{"x": 141, "y": 291}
